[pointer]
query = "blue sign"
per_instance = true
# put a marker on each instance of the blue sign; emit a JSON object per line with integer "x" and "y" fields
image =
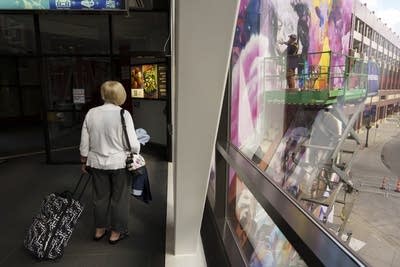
{"x": 373, "y": 78}
{"x": 86, "y": 4}
{"x": 63, "y": 4}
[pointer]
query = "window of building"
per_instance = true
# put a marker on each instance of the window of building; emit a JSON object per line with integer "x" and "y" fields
{"x": 369, "y": 33}
{"x": 357, "y": 46}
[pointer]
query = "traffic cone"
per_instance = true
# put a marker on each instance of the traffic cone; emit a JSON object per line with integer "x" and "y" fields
{"x": 384, "y": 183}
{"x": 397, "y": 186}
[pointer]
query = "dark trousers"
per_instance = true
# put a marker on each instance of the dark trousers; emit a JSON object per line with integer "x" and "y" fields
{"x": 111, "y": 199}
{"x": 290, "y": 78}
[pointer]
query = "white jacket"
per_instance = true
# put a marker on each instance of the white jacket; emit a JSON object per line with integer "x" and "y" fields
{"x": 102, "y": 137}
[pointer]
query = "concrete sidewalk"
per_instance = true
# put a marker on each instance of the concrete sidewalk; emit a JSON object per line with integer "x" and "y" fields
{"x": 375, "y": 219}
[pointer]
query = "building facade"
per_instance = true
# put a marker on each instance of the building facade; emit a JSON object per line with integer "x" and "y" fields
{"x": 374, "y": 40}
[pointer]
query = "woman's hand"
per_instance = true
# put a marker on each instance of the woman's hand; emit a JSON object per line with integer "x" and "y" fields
{"x": 83, "y": 168}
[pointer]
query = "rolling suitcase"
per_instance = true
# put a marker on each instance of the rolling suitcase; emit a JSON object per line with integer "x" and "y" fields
{"x": 52, "y": 227}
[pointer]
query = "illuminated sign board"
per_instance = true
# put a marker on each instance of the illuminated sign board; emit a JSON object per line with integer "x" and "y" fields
{"x": 62, "y": 5}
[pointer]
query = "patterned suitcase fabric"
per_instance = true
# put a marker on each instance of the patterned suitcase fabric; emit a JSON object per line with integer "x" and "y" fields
{"x": 53, "y": 226}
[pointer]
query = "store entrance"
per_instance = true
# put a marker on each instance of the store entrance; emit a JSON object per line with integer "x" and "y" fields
{"x": 52, "y": 65}
{"x": 72, "y": 85}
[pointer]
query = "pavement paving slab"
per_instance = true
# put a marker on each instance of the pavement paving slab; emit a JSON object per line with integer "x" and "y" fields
{"x": 375, "y": 218}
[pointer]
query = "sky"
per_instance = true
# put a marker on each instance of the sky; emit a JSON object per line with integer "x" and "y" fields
{"x": 388, "y": 10}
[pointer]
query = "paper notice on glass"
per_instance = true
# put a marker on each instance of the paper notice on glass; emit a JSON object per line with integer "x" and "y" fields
{"x": 78, "y": 96}
{"x": 137, "y": 92}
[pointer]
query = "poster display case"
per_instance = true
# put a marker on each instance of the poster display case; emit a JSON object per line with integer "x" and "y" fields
{"x": 149, "y": 81}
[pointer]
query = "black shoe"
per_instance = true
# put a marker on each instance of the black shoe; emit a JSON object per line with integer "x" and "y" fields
{"x": 98, "y": 238}
{"x": 121, "y": 236}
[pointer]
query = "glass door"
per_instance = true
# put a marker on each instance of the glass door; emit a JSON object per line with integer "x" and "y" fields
{"x": 73, "y": 87}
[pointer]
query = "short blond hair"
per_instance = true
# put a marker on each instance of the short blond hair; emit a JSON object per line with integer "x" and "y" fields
{"x": 113, "y": 92}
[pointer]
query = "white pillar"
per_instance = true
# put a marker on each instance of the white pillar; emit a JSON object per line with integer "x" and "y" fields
{"x": 203, "y": 38}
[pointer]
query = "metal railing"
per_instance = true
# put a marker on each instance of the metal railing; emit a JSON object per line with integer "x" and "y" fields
{"x": 316, "y": 71}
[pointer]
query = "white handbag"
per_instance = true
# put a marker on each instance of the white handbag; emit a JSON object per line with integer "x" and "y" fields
{"x": 134, "y": 162}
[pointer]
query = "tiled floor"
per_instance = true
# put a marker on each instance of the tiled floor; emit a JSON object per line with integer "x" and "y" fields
{"x": 21, "y": 139}
{"x": 24, "y": 183}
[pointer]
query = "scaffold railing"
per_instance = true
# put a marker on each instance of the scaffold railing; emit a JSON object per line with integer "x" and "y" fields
{"x": 317, "y": 169}
{"x": 321, "y": 78}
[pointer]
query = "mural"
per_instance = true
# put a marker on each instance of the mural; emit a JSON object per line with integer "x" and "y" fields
{"x": 323, "y": 34}
{"x": 269, "y": 134}
{"x": 261, "y": 241}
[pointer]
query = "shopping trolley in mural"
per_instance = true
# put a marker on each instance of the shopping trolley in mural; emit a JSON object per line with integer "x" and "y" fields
{"x": 313, "y": 161}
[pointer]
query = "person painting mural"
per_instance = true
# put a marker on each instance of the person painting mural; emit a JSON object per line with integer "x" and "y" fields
{"x": 291, "y": 53}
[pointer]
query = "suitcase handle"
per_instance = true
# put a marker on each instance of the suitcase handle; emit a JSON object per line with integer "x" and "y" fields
{"x": 84, "y": 187}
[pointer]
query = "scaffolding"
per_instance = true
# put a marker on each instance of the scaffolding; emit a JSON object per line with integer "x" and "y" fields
{"x": 317, "y": 169}
{"x": 340, "y": 77}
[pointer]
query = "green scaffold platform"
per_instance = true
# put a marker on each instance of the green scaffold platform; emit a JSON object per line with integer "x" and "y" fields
{"x": 319, "y": 85}
{"x": 313, "y": 97}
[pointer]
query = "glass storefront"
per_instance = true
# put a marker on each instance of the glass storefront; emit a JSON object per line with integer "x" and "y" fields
{"x": 260, "y": 240}
{"x": 295, "y": 126}
{"x": 53, "y": 64}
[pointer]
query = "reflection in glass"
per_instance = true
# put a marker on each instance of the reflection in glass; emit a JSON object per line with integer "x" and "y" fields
{"x": 74, "y": 87}
{"x": 8, "y": 71}
{"x": 74, "y": 34}
{"x": 17, "y": 34}
{"x": 28, "y": 71}
{"x": 304, "y": 138}
{"x": 146, "y": 31}
{"x": 308, "y": 164}
{"x": 31, "y": 100}
{"x": 9, "y": 102}
{"x": 66, "y": 74}
{"x": 212, "y": 182}
{"x": 260, "y": 240}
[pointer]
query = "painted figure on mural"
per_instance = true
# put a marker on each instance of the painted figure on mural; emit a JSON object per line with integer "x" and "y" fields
{"x": 247, "y": 24}
{"x": 303, "y": 24}
{"x": 241, "y": 209}
{"x": 260, "y": 240}
{"x": 339, "y": 19}
{"x": 303, "y": 29}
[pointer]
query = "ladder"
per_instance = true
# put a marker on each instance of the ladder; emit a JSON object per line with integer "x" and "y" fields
{"x": 316, "y": 170}
{"x": 336, "y": 161}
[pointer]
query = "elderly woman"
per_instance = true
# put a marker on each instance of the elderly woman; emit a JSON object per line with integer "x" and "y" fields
{"x": 103, "y": 151}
